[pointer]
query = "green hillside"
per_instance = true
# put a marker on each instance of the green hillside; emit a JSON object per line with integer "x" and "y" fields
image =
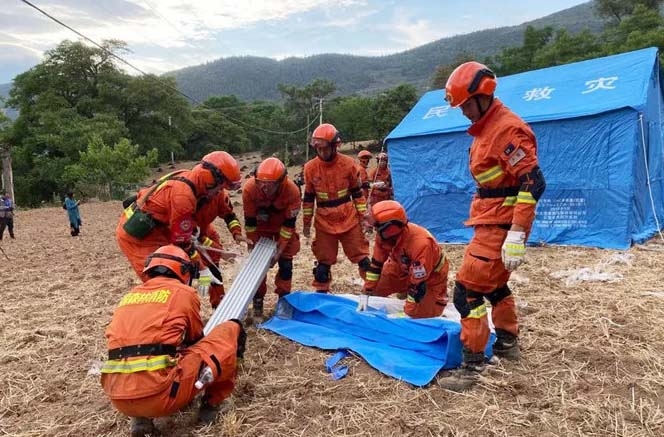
{"x": 255, "y": 78}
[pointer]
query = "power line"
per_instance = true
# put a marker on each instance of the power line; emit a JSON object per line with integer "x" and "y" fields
{"x": 152, "y": 77}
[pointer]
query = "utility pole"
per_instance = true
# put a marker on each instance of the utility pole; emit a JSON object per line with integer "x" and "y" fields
{"x": 320, "y": 104}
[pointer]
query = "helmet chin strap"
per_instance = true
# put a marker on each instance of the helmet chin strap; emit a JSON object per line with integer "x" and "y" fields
{"x": 479, "y": 105}
{"x": 332, "y": 155}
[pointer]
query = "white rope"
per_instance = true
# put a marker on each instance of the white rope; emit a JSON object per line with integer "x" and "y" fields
{"x": 645, "y": 162}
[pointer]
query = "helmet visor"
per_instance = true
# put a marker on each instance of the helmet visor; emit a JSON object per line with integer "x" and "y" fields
{"x": 388, "y": 230}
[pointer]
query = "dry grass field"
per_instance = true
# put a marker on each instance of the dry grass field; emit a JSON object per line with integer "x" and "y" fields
{"x": 591, "y": 331}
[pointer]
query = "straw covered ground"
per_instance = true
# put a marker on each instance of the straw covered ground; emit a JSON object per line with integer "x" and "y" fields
{"x": 591, "y": 333}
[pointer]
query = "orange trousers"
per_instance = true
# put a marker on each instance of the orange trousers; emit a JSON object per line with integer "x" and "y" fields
{"x": 284, "y": 278}
{"x": 326, "y": 247}
{"x": 179, "y": 388}
{"x": 483, "y": 276}
{"x": 137, "y": 251}
{"x": 393, "y": 280}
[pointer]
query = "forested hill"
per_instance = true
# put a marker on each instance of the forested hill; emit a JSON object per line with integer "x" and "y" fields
{"x": 255, "y": 78}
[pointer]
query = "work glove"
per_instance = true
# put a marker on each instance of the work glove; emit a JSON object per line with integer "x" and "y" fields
{"x": 196, "y": 234}
{"x": 514, "y": 250}
{"x": 205, "y": 279}
{"x": 379, "y": 184}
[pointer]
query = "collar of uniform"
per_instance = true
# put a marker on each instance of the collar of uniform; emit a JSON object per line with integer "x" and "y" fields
{"x": 331, "y": 162}
{"x": 476, "y": 128}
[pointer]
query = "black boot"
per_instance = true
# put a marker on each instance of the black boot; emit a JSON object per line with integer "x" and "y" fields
{"x": 142, "y": 426}
{"x": 465, "y": 377}
{"x": 506, "y": 345}
{"x": 258, "y": 310}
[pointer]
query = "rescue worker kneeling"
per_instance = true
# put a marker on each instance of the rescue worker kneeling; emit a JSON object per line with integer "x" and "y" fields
{"x": 406, "y": 259}
{"x": 157, "y": 349}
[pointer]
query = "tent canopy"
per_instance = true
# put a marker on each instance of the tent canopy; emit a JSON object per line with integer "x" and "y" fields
{"x": 599, "y": 130}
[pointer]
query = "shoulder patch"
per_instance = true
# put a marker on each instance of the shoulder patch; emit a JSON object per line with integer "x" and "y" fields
{"x": 418, "y": 271}
{"x": 509, "y": 149}
{"x": 517, "y": 156}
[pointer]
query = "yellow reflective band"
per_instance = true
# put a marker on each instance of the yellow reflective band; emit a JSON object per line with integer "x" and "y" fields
{"x": 158, "y": 296}
{"x": 233, "y": 224}
{"x": 371, "y": 276}
{"x": 526, "y": 197}
{"x": 440, "y": 264}
{"x": 307, "y": 211}
{"x": 322, "y": 196}
{"x": 140, "y": 365}
{"x": 342, "y": 193}
{"x": 478, "y": 312}
{"x": 490, "y": 174}
{"x": 285, "y": 233}
{"x": 361, "y": 207}
{"x": 207, "y": 242}
{"x": 249, "y": 229}
{"x": 129, "y": 211}
{"x": 510, "y": 201}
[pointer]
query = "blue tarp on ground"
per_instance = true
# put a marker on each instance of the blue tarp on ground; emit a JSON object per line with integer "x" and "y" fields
{"x": 410, "y": 350}
{"x": 600, "y": 132}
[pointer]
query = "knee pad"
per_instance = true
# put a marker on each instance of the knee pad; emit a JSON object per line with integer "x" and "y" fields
{"x": 285, "y": 269}
{"x": 364, "y": 263}
{"x": 498, "y": 294}
{"x": 461, "y": 296}
{"x": 322, "y": 273}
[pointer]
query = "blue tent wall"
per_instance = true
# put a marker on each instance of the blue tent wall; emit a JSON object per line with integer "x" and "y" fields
{"x": 593, "y": 160}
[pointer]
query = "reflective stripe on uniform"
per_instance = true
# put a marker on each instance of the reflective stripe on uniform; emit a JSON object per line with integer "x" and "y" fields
{"x": 478, "y": 312}
{"x": 285, "y": 233}
{"x": 510, "y": 201}
{"x": 140, "y": 365}
{"x": 371, "y": 276}
{"x": 440, "y": 263}
{"x": 322, "y": 195}
{"x": 490, "y": 174}
{"x": 526, "y": 197}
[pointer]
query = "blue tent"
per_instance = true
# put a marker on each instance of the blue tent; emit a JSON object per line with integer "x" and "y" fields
{"x": 599, "y": 126}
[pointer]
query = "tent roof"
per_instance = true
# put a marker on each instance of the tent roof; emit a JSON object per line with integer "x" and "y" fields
{"x": 565, "y": 91}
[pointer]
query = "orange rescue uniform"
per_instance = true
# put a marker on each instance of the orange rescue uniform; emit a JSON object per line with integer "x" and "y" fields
{"x": 503, "y": 162}
{"x": 163, "y": 315}
{"x": 378, "y": 174}
{"x": 172, "y": 205}
{"x": 334, "y": 187}
{"x": 207, "y": 211}
{"x": 274, "y": 218}
{"x": 415, "y": 264}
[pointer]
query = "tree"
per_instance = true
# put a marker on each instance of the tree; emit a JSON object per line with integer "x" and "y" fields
{"x": 353, "y": 116}
{"x": 513, "y": 60}
{"x": 390, "y": 107}
{"x": 617, "y": 10}
{"x": 101, "y": 167}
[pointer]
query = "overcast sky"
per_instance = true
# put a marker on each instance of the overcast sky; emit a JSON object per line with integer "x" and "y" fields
{"x": 164, "y": 35}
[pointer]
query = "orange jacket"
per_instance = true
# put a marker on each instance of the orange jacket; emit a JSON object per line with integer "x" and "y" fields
{"x": 364, "y": 179}
{"x": 173, "y": 204}
{"x": 208, "y": 210}
{"x": 416, "y": 251}
{"x": 271, "y": 216}
{"x": 160, "y": 311}
{"x": 383, "y": 175}
{"x": 335, "y": 188}
{"x": 503, "y": 150}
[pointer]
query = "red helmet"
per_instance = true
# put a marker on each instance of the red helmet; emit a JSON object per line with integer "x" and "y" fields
{"x": 389, "y": 218}
{"x": 326, "y": 132}
{"x": 364, "y": 154}
{"x": 382, "y": 156}
{"x": 171, "y": 260}
{"x": 223, "y": 168}
{"x": 467, "y": 80}
{"x": 271, "y": 170}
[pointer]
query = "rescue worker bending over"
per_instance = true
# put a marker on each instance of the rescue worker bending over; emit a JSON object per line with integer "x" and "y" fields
{"x": 406, "y": 258}
{"x": 331, "y": 182}
{"x": 504, "y": 164}
{"x": 164, "y": 213}
{"x": 380, "y": 179}
{"x": 207, "y": 210}
{"x": 156, "y": 346}
{"x": 363, "y": 158}
{"x": 271, "y": 205}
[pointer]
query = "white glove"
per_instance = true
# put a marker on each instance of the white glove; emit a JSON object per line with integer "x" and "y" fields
{"x": 514, "y": 249}
{"x": 205, "y": 279}
{"x": 363, "y": 303}
{"x": 379, "y": 184}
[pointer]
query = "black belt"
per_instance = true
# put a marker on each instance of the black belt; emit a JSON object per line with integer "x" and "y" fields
{"x": 334, "y": 202}
{"x": 485, "y": 193}
{"x": 139, "y": 350}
